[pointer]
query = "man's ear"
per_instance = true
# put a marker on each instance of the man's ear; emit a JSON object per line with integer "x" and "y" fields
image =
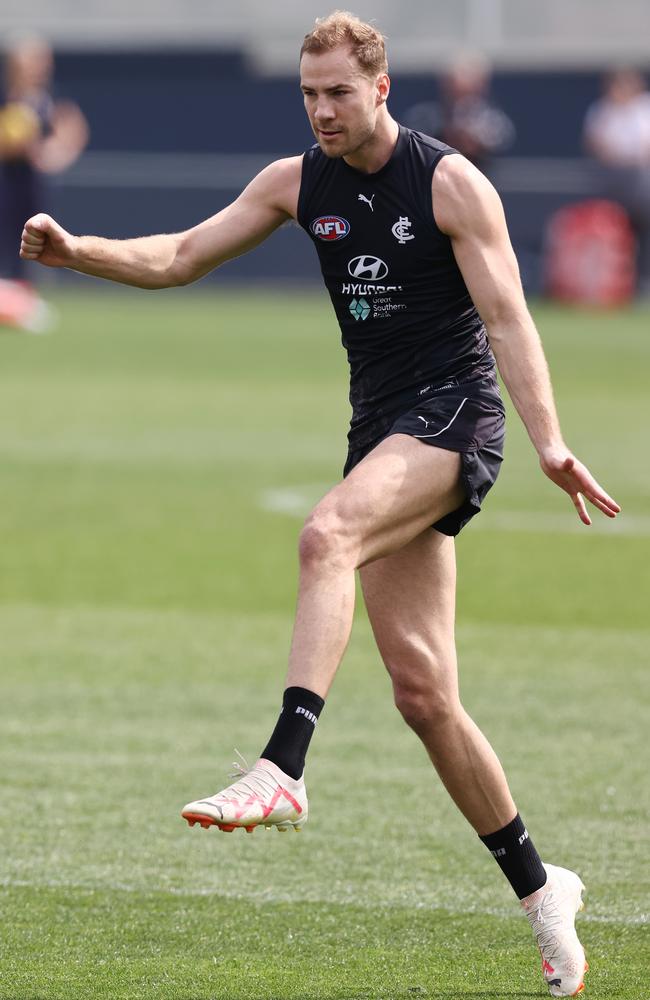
{"x": 383, "y": 88}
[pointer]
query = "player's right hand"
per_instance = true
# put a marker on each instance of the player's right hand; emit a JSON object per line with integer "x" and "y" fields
{"x": 46, "y": 241}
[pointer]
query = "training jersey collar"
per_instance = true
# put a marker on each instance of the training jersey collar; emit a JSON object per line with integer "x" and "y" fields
{"x": 402, "y": 138}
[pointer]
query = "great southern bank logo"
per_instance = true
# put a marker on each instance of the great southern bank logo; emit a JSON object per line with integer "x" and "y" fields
{"x": 359, "y": 309}
{"x": 330, "y": 227}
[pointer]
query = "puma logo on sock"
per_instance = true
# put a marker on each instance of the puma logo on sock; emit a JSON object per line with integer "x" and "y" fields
{"x": 308, "y": 715}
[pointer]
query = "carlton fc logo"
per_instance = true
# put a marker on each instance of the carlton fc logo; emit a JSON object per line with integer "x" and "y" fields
{"x": 368, "y": 268}
{"x": 330, "y": 227}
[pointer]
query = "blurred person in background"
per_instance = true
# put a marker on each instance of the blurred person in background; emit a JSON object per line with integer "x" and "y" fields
{"x": 465, "y": 117}
{"x": 39, "y": 136}
{"x": 617, "y": 134}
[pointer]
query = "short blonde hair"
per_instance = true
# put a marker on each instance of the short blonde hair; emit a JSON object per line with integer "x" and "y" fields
{"x": 343, "y": 28}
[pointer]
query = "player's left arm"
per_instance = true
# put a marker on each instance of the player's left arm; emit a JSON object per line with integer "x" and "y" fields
{"x": 469, "y": 211}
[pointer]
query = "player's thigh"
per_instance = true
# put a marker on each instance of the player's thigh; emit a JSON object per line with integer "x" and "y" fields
{"x": 400, "y": 488}
{"x": 410, "y": 597}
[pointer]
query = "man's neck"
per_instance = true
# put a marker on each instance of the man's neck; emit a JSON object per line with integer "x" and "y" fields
{"x": 377, "y": 151}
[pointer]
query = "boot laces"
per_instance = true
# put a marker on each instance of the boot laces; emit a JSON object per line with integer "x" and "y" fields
{"x": 240, "y": 766}
{"x": 545, "y": 922}
{"x": 252, "y": 781}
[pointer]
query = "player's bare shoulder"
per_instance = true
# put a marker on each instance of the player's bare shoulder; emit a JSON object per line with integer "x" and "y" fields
{"x": 278, "y": 185}
{"x": 462, "y": 196}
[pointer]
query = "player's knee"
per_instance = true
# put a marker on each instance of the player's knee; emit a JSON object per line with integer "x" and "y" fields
{"x": 424, "y": 706}
{"x": 324, "y": 540}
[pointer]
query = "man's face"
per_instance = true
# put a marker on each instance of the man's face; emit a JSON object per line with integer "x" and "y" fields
{"x": 341, "y": 103}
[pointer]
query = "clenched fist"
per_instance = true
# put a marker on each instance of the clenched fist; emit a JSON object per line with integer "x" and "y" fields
{"x": 46, "y": 241}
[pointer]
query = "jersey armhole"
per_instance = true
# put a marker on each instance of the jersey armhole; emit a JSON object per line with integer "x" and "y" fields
{"x": 301, "y": 213}
{"x": 432, "y": 217}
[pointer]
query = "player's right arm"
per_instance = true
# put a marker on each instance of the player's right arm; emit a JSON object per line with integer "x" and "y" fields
{"x": 171, "y": 259}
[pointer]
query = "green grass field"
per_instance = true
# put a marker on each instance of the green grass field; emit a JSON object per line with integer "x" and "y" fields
{"x": 158, "y": 452}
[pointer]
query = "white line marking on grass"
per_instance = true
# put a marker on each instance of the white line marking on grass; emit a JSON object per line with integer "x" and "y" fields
{"x": 267, "y": 896}
{"x": 566, "y": 523}
{"x": 297, "y": 501}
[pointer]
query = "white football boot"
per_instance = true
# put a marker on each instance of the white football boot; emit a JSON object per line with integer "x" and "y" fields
{"x": 551, "y": 913}
{"x": 263, "y": 796}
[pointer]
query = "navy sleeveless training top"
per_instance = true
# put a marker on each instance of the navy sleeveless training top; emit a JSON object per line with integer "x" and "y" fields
{"x": 407, "y": 320}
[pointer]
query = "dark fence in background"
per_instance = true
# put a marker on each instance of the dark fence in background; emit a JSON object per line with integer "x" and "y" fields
{"x": 175, "y": 136}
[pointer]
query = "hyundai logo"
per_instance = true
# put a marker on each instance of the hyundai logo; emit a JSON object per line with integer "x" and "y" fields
{"x": 368, "y": 268}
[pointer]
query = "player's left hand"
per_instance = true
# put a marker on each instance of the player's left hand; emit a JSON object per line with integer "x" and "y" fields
{"x": 574, "y": 478}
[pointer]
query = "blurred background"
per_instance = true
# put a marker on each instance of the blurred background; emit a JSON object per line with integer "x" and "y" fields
{"x": 159, "y": 452}
{"x": 186, "y": 101}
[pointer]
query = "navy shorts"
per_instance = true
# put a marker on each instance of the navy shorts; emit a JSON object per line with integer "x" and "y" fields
{"x": 466, "y": 418}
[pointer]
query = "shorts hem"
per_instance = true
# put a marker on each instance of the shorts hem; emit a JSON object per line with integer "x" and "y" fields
{"x": 454, "y": 522}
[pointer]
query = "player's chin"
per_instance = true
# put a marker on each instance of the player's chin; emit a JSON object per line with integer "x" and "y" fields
{"x": 332, "y": 145}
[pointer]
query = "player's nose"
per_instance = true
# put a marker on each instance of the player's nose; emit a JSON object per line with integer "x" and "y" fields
{"x": 323, "y": 113}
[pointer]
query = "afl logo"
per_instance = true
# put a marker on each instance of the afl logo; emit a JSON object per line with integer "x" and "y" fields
{"x": 330, "y": 227}
{"x": 368, "y": 268}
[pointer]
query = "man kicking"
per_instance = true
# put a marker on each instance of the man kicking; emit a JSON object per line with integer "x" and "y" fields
{"x": 415, "y": 254}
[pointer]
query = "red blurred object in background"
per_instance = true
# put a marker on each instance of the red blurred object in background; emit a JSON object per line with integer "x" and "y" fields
{"x": 22, "y": 308}
{"x": 590, "y": 255}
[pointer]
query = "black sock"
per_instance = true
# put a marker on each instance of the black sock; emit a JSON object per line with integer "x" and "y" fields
{"x": 293, "y": 731}
{"x": 516, "y": 857}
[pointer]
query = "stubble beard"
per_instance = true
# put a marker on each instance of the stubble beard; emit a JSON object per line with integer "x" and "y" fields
{"x": 353, "y": 144}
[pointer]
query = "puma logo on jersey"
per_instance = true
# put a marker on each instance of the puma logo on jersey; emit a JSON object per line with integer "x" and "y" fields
{"x": 425, "y": 422}
{"x": 368, "y": 201}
